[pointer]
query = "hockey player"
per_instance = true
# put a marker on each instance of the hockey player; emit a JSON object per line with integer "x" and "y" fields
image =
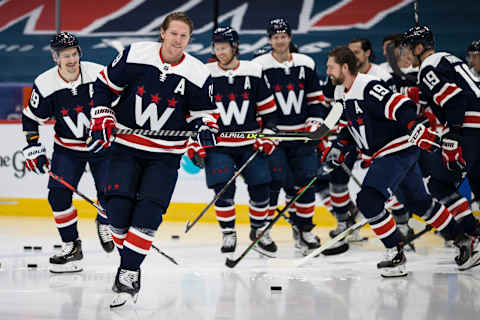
{"x": 160, "y": 87}
{"x": 473, "y": 51}
{"x": 362, "y": 48}
{"x": 382, "y": 125}
{"x": 65, "y": 93}
{"x": 449, "y": 88}
{"x": 241, "y": 95}
{"x": 299, "y": 99}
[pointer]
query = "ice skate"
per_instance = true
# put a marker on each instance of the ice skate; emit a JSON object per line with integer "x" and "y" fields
{"x": 468, "y": 257}
{"x": 229, "y": 241}
{"x": 307, "y": 242}
{"x": 393, "y": 264}
{"x": 126, "y": 287}
{"x": 407, "y": 233}
{"x": 265, "y": 245}
{"x": 105, "y": 237}
{"x": 342, "y": 245}
{"x": 68, "y": 260}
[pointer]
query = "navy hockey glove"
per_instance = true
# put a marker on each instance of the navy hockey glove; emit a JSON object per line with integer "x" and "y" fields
{"x": 196, "y": 154}
{"x": 423, "y": 137}
{"x": 207, "y": 133}
{"x": 36, "y": 158}
{"x": 267, "y": 146}
{"x": 334, "y": 155}
{"x": 452, "y": 153}
{"x": 102, "y": 125}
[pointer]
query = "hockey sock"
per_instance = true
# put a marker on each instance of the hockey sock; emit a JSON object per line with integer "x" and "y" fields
{"x": 225, "y": 208}
{"x": 65, "y": 214}
{"x": 258, "y": 204}
{"x": 340, "y": 200}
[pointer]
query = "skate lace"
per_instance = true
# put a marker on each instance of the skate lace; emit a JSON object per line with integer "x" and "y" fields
{"x": 128, "y": 277}
{"x": 390, "y": 254}
{"x": 104, "y": 232}
{"x": 229, "y": 240}
{"x": 309, "y": 236}
{"x": 67, "y": 248}
{"x": 266, "y": 239}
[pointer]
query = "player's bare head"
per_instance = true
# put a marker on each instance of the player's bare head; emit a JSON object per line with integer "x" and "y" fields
{"x": 175, "y": 18}
{"x": 66, "y": 51}
{"x": 280, "y": 34}
{"x": 394, "y": 38}
{"x": 175, "y": 35}
{"x": 341, "y": 63}
{"x": 473, "y": 51}
{"x": 362, "y": 48}
{"x": 225, "y": 44}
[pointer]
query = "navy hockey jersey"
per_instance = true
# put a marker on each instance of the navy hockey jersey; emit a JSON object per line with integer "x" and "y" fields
{"x": 155, "y": 95}
{"x": 376, "y": 117}
{"x": 296, "y": 89}
{"x": 449, "y": 87}
{"x": 68, "y": 103}
{"x": 241, "y": 95}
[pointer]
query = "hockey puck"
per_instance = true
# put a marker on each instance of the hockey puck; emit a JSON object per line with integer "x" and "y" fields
{"x": 37, "y": 248}
{"x": 27, "y": 247}
{"x": 57, "y": 246}
{"x": 175, "y": 237}
{"x": 276, "y": 288}
{"x": 31, "y": 265}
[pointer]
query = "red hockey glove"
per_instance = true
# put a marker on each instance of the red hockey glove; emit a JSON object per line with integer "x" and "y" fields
{"x": 36, "y": 158}
{"x": 312, "y": 125}
{"x": 267, "y": 146}
{"x": 335, "y": 155}
{"x": 452, "y": 153}
{"x": 423, "y": 137}
{"x": 102, "y": 124}
{"x": 196, "y": 154}
{"x": 207, "y": 132}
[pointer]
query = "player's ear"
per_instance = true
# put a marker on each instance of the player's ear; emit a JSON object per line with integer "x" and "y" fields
{"x": 54, "y": 57}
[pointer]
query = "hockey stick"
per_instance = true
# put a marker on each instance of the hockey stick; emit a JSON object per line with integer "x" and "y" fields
{"x": 231, "y": 263}
{"x": 415, "y": 11}
{"x": 98, "y": 207}
{"x": 164, "y": 254}
{"x": 74, "y": 190}
{"x": 189, "y": 225}
{"x": 282, "y": 136}
{"x": 330, "y": 243}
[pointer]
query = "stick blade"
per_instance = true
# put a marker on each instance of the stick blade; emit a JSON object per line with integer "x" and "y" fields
{"x": 230, "y": 263}
{"x": 187, "y": 226}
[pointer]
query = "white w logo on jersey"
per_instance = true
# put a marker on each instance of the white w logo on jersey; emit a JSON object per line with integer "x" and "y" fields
{"x": 291, "y": 101}
{"x": 232, "y": 111}
{"x": 360, "y": 137}
{"x": 78, "y": 129}
{"x": 151, "y": 114}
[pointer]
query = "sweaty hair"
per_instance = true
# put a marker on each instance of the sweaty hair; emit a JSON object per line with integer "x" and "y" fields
{"x": 343, "y": 55}
{"x": 366, "y": 45}
{"x": 178, "y": 16}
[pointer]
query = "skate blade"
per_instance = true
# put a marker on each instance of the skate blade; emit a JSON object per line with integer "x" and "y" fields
{"x": 70, "y": 267}
{"x": 123, "y": 299}
{"x": 394, "y": 272}
{"x": 472, "y": 262}
{"x": 264, "y": 253}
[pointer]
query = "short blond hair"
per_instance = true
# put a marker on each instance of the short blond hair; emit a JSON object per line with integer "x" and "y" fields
{"x": 178, "y": 16}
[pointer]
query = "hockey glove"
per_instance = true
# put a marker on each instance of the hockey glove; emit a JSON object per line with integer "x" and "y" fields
{"x": 312, "y": 125}
{"x": 102, "y": 124}
{"x": 207, "y": 133}
{"x": 452, "y": 153}
{"x": 196, "y": 154}
{"x": 267, "y": 146}
{"x": 36, "y": 158}
{"x": 423, "y": 137}
{"x": 335, "y": 155}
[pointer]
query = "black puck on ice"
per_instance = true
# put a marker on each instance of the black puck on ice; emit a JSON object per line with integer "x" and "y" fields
{"x": 27, "y": 247}
{"x": 57, "y": 246}
{"x": 175, "y": 237}
{"x": 276, "y": 288}
{"x": 37, "y": 248}
{"x": 31, "y": 265}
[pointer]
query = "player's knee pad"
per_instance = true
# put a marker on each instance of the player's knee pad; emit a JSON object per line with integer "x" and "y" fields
{"x": 59, "y": 199}
{"x": 370, "y": 202}
{"x": 119, "y": 211}
{"x": 148, "y": 214}
{"x": 439, "y": 189}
